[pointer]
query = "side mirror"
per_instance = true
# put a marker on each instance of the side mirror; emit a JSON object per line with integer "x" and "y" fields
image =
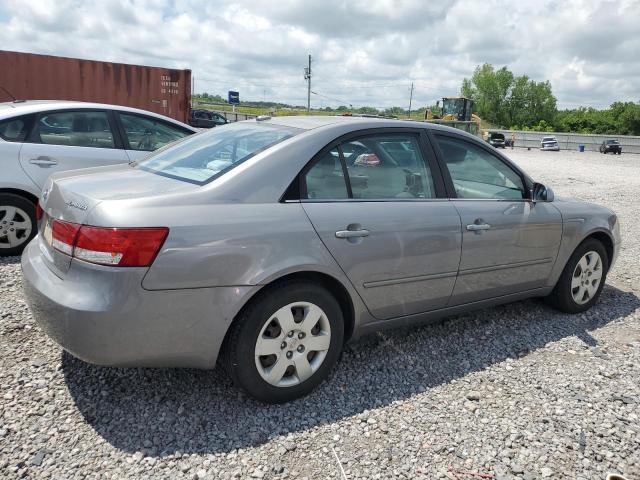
{"x": 540, "y": 193}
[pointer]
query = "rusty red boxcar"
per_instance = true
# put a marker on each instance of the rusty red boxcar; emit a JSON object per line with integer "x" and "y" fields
{"x": 28, "y": 76}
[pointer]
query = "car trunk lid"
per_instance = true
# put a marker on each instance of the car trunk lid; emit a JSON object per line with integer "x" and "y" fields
{"x": 71, "y": 196}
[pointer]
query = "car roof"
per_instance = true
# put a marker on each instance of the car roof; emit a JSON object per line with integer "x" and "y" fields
{"x": 20, "y": 107}
{"x": 304, "y": 122}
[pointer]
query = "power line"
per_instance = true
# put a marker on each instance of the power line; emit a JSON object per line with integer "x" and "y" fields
{"x": 331, "y": 98}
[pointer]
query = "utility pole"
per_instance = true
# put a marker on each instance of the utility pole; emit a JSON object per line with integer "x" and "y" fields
{"x": 410, "y": 99}
{"x": 307, "y": 77}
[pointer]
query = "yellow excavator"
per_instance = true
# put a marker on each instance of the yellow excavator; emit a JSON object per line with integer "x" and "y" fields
{"x": 456, "y": 113}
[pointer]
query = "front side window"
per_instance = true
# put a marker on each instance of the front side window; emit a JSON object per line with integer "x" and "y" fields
{"x": 379, "y": 167}
{"x": 219, "y": 119}
{"x": 77, "y": 129}
{"x": 477, "y": 173}
{"x": 205, "y": 156}
{"x": 15, "y": 129}
{"x": 148, "y": 133}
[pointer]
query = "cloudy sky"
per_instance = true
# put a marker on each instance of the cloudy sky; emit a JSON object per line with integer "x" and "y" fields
{"x": 365, "y": 52}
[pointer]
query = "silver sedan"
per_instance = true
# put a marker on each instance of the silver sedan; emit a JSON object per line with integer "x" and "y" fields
{"x": 268, "y": 244}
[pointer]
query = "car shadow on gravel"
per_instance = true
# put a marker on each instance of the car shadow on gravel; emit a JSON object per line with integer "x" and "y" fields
{"x": 10, "y": 260}
{"x": 161, "y": 411}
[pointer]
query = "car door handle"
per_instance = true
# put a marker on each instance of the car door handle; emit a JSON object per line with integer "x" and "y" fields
{"x": 43, "y": 161}
{"x": 474, "y": 227}
{"x": 352, "y": 233}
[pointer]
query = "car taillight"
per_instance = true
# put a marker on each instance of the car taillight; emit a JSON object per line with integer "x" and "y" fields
{"x": 123, "y": 247}
{"x": 63, "y": 236}
{"x": 118, "y": 247}
{"x": 39, "y": 211}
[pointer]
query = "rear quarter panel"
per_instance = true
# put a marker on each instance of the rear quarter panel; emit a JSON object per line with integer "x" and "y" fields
{"x": 222, "y": 245}
{"x": 242, "y": 245}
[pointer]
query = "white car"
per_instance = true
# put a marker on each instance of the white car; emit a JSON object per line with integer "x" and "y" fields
{"x": 550, "y": 143}
{"x": 38, "y": 138}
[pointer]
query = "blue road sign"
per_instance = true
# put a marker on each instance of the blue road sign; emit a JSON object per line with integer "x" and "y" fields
{"x": 234, "y": 98}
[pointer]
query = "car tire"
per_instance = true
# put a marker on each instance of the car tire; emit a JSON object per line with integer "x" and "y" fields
{"x": 567, "y": 296}
{"x": 17, "y": 223}
{"x": 265, "y": 319}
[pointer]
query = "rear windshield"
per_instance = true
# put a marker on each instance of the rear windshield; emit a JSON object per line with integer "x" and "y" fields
{"x": 612, "y": 142}
{"x": 201, "y": 158}
{"x": 549, "y": 139}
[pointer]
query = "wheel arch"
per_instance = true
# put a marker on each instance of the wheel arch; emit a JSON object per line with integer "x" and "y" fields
{"x": 21, "y": 193}
{"x": 331, "y": 283}
{"x": 606, "y": 240}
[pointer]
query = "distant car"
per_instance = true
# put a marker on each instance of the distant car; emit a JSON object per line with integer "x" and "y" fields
{"x": 611, "y": 146}
{"x": 496, "y": 140}
{"x": 549, "y": 143}
{"x": 38, "y": 138}
{"x": 206, "y": 119}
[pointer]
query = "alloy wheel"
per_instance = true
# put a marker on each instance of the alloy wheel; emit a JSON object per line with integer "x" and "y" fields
{"x": 15, "y": 226}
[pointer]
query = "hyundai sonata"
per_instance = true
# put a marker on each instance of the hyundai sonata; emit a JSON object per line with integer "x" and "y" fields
{"x": 267, "y": 244}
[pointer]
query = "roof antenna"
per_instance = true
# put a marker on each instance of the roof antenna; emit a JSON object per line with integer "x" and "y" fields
{"x": 8, "y": 93}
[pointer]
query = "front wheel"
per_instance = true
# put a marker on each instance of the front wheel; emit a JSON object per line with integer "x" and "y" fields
{"x": 285, "y": 342}
{"x": 17, "y": 223}
{"x": 582, "y": 279}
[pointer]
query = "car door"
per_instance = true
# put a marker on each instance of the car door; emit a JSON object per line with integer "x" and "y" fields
{"x": 377, "y": 204}
{"x": 70, "y": 139}
{"x": 509, "y": 243}
{"x": 142, "y": 134}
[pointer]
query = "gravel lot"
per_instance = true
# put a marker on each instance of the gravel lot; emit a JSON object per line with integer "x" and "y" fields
{"x": 517, "y": 391}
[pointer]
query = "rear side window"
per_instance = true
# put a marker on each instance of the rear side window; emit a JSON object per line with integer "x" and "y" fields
{"x": 15, "y": 129}
{"x": 81, "y": 128}
{"x": 386, "y": 167}
{"x": 148, "y": 133}
{"x": 379, "y": 167}
{"x": 325, "y": 179}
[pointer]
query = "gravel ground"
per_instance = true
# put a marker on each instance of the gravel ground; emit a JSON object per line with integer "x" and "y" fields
{"x": 517, "y": 391}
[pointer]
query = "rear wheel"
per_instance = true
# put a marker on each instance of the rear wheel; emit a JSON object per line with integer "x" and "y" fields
{"x": 285, "y": 342}
{"x": 17, "y": 223}
{"x": 582, "y": 279}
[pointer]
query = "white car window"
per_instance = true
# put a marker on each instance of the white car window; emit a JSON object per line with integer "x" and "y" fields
{"x": 148, "y": 133}
{"x": 81, "y": 128}
{"x": 15, "y": 129}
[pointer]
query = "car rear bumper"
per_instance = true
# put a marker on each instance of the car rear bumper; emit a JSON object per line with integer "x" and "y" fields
{"x": 103, "y": 315}
{"x": 553, "y": 148}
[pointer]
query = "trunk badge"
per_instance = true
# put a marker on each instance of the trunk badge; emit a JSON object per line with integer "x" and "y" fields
{"x": 79, "y": 206}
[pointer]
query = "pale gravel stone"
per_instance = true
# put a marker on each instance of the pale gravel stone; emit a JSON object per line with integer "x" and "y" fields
{"x": 555, "y": 392}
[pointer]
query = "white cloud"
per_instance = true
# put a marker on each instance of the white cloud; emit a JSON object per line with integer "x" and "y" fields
{"x": 365, "y": 51}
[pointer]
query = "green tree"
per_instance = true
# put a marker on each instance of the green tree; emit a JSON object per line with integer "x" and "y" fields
{"x": 504, "y": 99}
